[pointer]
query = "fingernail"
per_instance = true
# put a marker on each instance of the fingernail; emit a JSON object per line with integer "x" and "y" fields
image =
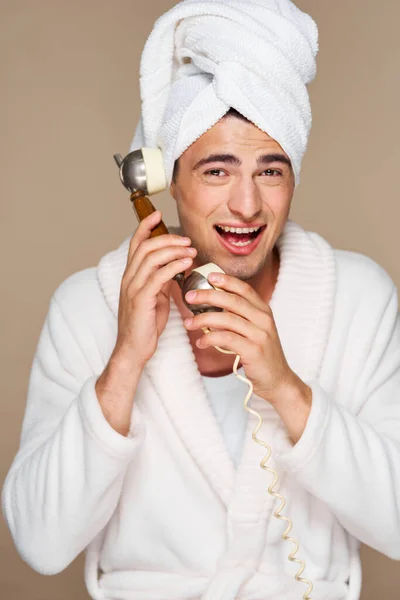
{"x": 186, "y": 240}
{"x": 187, "y": 261}
{"x": 190, "y": 296}
{"x": 188, "y": 322}
{"x": 215, "y": 277}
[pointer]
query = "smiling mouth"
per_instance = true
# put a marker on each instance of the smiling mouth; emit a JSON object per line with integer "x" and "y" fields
{"x": 239, "y": 236}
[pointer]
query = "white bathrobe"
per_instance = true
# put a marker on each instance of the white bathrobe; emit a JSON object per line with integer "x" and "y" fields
{"x": 162, "y": 513}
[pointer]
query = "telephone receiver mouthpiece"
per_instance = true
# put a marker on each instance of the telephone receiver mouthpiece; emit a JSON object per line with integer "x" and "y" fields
{"x": 198, "y": 280}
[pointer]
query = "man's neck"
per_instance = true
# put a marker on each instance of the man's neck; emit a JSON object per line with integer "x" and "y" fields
{"x": 210, "y": 361}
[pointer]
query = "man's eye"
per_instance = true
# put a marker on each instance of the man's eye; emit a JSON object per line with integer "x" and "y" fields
{"x": 272, "y": 172}
{"x": 215, "y": 172}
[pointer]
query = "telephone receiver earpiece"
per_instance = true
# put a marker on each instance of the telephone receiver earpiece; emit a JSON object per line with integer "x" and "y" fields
{"x": 142, "y": 173}
{"x": 142, "y": 170}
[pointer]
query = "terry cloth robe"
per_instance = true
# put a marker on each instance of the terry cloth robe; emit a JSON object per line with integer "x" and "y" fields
{"x": 162, "y": 513}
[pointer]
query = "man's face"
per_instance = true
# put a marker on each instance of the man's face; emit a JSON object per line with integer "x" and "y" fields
{"x": 234, "y": 176}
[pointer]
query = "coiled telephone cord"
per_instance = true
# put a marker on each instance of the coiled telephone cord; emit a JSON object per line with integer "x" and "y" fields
{"x": 277, "y": 513}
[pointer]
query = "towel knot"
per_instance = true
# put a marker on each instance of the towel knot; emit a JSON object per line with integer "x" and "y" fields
{"x": 204, "y": 57}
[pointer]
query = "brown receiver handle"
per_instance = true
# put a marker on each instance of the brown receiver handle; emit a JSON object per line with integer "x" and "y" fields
{"x": 143, "y": 208}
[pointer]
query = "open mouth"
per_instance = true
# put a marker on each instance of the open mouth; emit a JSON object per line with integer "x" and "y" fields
{"x": 239, "y": 237}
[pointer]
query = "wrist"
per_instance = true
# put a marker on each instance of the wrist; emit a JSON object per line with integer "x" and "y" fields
{"x": 293, "y": 405}
{"x": 115, "y": 390}
{"x": 293, "y": 392}
{"x": 123, "y": 365}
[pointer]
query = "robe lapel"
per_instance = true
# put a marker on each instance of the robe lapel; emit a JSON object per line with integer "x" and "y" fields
{"x": 302, "y": 305}
{"x": 177, "y": 379}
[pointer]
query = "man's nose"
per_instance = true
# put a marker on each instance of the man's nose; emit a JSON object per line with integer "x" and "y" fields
{"x": 245, "y": 200}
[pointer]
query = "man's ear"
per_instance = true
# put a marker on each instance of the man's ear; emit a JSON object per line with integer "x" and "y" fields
{"x": 172, "y": 189}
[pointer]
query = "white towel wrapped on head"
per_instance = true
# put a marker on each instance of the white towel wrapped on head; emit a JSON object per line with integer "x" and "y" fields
{"x": 204, "y": 57}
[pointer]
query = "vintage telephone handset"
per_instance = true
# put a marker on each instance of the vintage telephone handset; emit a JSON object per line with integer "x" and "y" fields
{"x": 142, "y": 173}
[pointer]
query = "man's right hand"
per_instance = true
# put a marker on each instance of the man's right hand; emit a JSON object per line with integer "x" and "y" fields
{"x": 143, "y": 311}
{"x": 144, "y": 301}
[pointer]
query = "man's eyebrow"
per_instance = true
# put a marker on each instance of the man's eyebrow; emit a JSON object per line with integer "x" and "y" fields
{"x": 267, "y": 159}
{"x": 231, "y": 159}
{"x": 225, "y": 158}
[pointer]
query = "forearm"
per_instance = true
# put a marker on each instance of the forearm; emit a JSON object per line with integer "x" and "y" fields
{"x": 293, "y": 405}
{"x": 354, "y": 469}
{"x": 60, "y": 493}
{"x": 116, "y": 388}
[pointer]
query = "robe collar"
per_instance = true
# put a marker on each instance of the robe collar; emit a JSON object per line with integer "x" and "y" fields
{"x": 302, "y": 305}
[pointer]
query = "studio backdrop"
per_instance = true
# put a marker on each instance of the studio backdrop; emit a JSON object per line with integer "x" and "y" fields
{"x": 70, "y": 100}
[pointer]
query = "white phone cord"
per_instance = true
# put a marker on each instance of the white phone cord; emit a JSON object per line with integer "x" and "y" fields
{"x": 271, "y": 491}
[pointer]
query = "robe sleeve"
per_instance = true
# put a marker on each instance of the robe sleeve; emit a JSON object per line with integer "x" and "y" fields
{"x": 350, "y": 459}
{"x": 67, "y": 476}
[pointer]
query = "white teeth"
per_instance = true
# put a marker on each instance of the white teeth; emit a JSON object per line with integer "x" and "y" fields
{"x": 239, "y": 229}
{"x": 241, "y": 243}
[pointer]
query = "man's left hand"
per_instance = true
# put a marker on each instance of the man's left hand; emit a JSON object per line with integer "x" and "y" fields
{"x": 247, "y": 327}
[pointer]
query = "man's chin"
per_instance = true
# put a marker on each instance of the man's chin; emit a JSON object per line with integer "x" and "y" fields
{"x": 247, "y": 275}
{"x": 240, "y": 270}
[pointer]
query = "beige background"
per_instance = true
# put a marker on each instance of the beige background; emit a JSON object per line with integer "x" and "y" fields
{"x": 69, "y": 100}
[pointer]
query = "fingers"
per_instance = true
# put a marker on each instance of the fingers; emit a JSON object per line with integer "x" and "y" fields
{"x": 238, "y": 287}
{"x": 142, "y": 245}
{"x": 164, "y": 275}
{"x": 142, "y": 270}
{"x": 143, "y": 233}
{"x": 231, "y": 302}
{"x": 227, "y": 322}
{"x": 229, "y": 341}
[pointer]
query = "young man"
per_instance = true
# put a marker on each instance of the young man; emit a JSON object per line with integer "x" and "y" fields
{"x": 135, "y": 443}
